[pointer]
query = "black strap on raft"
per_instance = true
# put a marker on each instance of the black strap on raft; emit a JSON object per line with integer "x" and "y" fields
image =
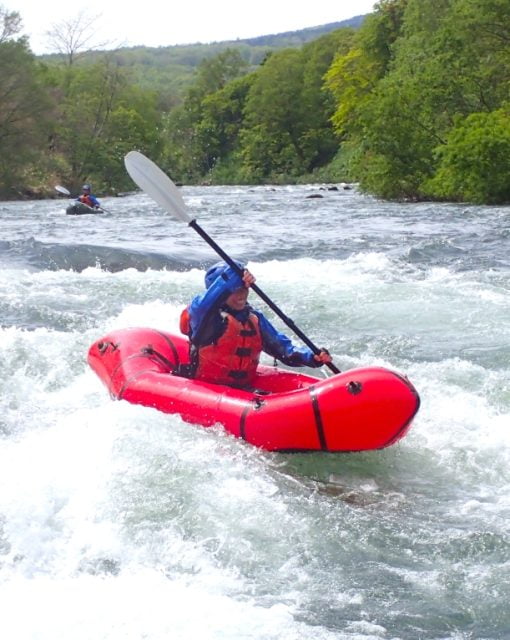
{"x": 237, "y": 375}
{"x": 184, "y": 371}
{"x": 175, "y": 368}
{"x": 150, "y": 351}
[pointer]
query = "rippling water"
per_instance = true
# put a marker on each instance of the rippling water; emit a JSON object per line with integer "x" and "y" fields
{"x": 118, "y": 522}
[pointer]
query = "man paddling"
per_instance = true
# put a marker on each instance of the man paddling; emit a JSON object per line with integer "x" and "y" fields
{"x": 87, "y": 198}
{"x": 227, "y": 335}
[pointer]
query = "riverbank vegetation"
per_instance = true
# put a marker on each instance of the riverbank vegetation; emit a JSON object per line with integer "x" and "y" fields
{"x": 413, "y": 104}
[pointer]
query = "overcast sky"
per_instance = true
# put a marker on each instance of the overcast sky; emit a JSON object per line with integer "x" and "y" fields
{"x": 162, "y": 23}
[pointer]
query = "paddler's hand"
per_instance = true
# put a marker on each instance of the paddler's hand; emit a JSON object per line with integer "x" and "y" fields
{"x": 323, "y": 356}
{"x": 248, "y": 278}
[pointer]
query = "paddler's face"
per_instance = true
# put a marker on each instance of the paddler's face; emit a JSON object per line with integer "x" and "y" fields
{"x": 237, "y": 300}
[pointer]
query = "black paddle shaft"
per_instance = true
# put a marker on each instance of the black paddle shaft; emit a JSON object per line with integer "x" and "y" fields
{"x": 290, "y": 323}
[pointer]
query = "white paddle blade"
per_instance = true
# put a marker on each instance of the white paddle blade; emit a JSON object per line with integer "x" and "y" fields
{"x": 156, "y": 184}
{"x": 63, "y": 190}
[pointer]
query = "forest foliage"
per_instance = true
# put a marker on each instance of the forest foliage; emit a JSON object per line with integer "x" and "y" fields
{"x": 412, "y": 103}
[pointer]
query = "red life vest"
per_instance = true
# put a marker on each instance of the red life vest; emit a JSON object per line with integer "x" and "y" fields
{"x": 184, "y": 325}
{"x": 234, "y": 357}
{"x": 86, "y": 200}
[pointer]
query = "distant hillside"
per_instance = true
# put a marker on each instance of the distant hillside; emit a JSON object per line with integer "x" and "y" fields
{"x": 296, "y": 38}
{"x": 169, "y": 70}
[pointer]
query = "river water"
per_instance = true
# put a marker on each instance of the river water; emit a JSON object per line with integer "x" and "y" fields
{"x": 118, "y": 522}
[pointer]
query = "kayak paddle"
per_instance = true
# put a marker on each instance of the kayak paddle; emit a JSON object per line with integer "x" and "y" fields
{"x": 151, "y": 179}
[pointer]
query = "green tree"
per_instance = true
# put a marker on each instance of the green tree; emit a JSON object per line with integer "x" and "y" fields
{"x": 271, "y": 139}
{"x": 23, "y": 108}
{"x": 182, "y": 159}
{"x": 287, "y": 125}
{"x": 220, "y": 124}
{"x": 88, "y": 95}
{"x": 392, "y": 150}
{"x": 392, "y": 131}
{"x": 215, "y": 73}
{"x": 134, "y": 123}
{"x": 319, "y": 141}
{"x": 474, "y": 164}
{"x": 355, "y": 73}
{"x": 450, "y": 59}
{"x": 100, "y": 117}
{"x": 188, "y": 154}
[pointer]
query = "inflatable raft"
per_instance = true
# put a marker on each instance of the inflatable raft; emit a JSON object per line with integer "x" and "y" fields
{"x": 80, "y": 208}
{"x": 357, "y": 410}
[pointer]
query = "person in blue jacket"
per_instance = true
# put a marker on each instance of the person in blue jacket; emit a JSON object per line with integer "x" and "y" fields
{"x": 87, "y": 198}
{"x": 227, "y": 335}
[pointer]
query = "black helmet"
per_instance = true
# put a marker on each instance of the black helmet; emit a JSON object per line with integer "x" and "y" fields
{"x": 86, "y": 187}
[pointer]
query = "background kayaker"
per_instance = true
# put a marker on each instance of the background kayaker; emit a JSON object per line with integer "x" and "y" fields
{"x": 227, "y": 335}
{"x": 87, "y": 198}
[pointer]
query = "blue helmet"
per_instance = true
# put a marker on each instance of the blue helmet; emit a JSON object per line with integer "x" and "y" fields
{"x": 217, "y": 270}
{"x": 86, "y": 187}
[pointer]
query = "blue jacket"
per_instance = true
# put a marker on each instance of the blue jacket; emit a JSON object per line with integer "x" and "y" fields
{"x": 207, "y": 324}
